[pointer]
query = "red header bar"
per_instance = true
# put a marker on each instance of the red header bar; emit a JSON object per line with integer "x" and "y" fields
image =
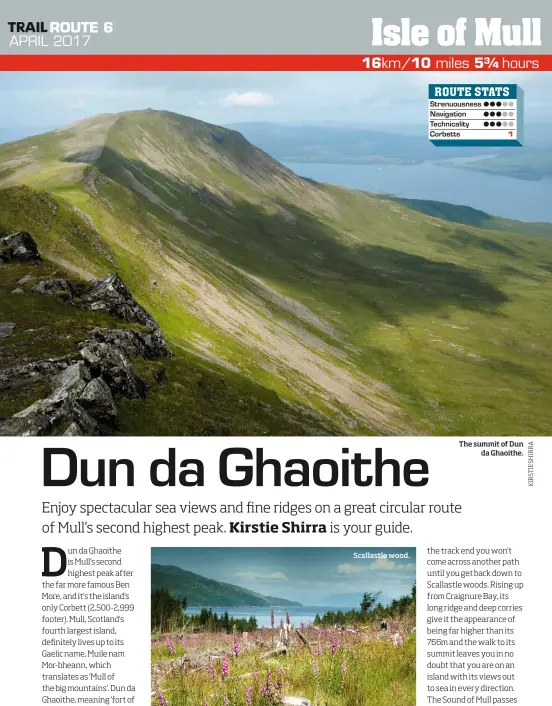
{"x": 274, "y": 62}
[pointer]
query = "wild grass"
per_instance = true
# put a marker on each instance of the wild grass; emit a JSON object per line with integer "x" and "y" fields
{"x": 198, "y": 400}
{"x": 45, "y": 327}
{"x": 362, "y": 666}
{"x": 192, "y": 398}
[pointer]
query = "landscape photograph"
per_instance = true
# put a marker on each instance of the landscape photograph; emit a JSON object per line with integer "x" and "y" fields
{"x": 244, "y": 626}
{"x": 268, "y": 254}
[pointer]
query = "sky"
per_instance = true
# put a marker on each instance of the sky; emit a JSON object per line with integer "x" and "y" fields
{"x": 312, "y": 576}
{"x": 45, "y": 100}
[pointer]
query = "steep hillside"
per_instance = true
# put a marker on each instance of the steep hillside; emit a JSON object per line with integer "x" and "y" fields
{"x": 201, "y": 591}
{"x": 376, "y": 316}
{"x": 47, "y": 331}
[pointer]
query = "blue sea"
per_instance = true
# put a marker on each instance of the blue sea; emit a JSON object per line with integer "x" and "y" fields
{"x": 298, "y": 614}
{"x": 497, "y": 195}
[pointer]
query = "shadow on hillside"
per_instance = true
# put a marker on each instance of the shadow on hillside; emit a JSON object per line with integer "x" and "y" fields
{"x": 308, "y": 257}
{"x": 457, "y": 239}
{"x": 455, "y": 213}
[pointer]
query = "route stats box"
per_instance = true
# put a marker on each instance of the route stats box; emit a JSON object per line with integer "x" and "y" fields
{"x": 489, "y": 115}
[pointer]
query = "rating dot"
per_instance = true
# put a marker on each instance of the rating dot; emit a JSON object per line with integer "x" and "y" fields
{"x": 498, "y": 124}
{"x": 492, "y": 104}
{"x": 511, "y": 114}
{"x": 486, "y": 113}
{"x": 492, "y": 113}
{"x": 498, "y": 114}
{"x": 511, "y": 124}
{"x": 492, "y": 123}
{"x": 486, "y": 123}
{"x": 498, "y": 103}
{"x": 486, "y": 103}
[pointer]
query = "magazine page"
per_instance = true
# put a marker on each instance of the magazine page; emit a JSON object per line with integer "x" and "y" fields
{"x": 275, "y": 352}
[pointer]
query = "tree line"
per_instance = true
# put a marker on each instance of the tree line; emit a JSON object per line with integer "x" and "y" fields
{"x": 370, "y": 609}
{"x": 168, "y": 614}
{"x": 208, "y": 620}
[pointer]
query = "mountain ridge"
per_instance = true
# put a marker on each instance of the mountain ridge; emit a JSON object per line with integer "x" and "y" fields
{"x": 372, "y": 315}
{"x": 201, "y": 591}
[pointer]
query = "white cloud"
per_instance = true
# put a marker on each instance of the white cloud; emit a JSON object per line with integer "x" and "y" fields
{"x": 251, "y": 99}
{"x": 254, "y": 575}
{"x": 350, "y": 569}
{"x": 384, "y": 565}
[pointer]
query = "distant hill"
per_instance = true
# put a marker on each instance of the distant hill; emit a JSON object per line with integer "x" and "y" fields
{"x": 468, "y": 216}
{"x": 355, "y": 144}
{"x": 347, "y": 144}
{"x": 527, "y": 164}
{"x": 353, "y": 600}
{"x": 201, "y": 591}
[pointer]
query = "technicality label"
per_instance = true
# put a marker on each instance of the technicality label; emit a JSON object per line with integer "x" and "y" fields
{"x": 486, "y": 115}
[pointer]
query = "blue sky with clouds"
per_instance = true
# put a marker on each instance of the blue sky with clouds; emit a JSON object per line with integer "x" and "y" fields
{"x": 44, "y": 100}
{"x": 315, "y": 576}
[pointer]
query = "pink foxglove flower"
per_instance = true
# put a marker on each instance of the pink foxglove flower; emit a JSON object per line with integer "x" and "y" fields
{"x": 266, "y": 691}
{"x": 398, "y": 639}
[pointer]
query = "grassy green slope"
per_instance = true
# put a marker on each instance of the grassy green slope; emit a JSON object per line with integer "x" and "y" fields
{"x": 468, "y": 216}
{"x": 384, "y": 316}
{"x": 46, "y": 327}
{"x": 193, "y": 398}
{"x": 201, "y": 591}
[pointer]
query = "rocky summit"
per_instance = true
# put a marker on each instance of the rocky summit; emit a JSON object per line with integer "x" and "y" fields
{"x": 291, "y": 307}
{"x": 6, "y": 329}
{"x": 18, "y": 246}
{"x": 112, "y": 296}
{"x": 81, "y": 399}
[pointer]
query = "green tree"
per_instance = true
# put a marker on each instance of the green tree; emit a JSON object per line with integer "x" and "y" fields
{"x": 166, "y": 613}
{"x": 369, "y": 600}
